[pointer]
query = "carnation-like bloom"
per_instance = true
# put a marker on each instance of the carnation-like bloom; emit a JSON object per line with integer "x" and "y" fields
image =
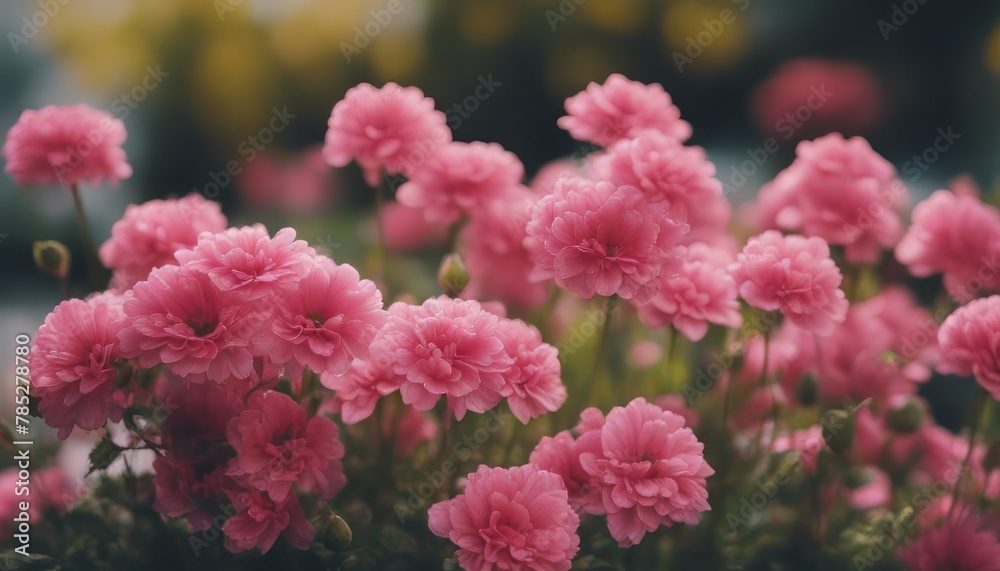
{"x": 561, "y": 455}
{"x": 959, "y": 543}
{"x": 278, "y": 446}
{"x": 324, "y": 323}
{"x": 534, "y": 385}
{"x": 261, "y": 520}
{"x": 701, "y": 292}
{"x": 68, "y": 145}
{"x": 663, "y": 168}
{"x": 956, "y": 235}
{"x": 180, "y": 318}
{"x": 622, "y": 109}
{"x": 793, "y": 274}
{"x": 72, "y": 364}
{"x": 596, "y": 238}
{"x": 459, "y": 178}
{"x": 514, "y": 518}
{"x": 839, "y": 190}
{"x": 652, "y": 471}
{"x": 248, "y": 261}
{"x": 969, "y": 343}
{"x": 393, "y": 128}
{"x": 149, "y": 234}
{"x": 445, "y": 347}
{"x": 359, "y": 389}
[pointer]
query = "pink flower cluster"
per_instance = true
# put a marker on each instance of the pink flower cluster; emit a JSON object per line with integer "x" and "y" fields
{"x": 969, "y": 343}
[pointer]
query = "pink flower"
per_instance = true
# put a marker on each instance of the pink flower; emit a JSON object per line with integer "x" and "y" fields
{"x": 180, "y": 318}
{"x": 69, "y": 145}
{"x": 841, "y": 191}
{"x": 792, "y": 274}
{"x": 663, "y": 168}
{"x": 493, "y": 248}
{"x": 359, "y": 389}
{"x": 515, "y": 518}
{"x": 47, "y": 493}
{"x": 298, "y": 184}
{"x": 677, "y": 405}
{"x": 247, "y": 260}
{"x": 278, "y": 446}
{"x": 701, "y": 292}
{"x": 261, "y": 520}
{"x": 561, "y": 455}
{"x": 961, "y": 543}
{"x": 72, "y": 364}
{"x": 329, "y": 319}
{"x": 807, "y": 442}
{"x": 956, "y": 235}
{"x": 445, "y": 347}
{"x": 652, "y": 471}
{"x": 150, "y": 233}
{"x": 970, "y": 343}
{"x": 407, "y": 230}
{"x": 622, "y": 109}
{"x": 459, "y": 178}
{"x": 874, "y": 491}
{"x": 533, "y": 385}
{"x": 393, "y": 128}
{"x": 412, "y": 429}
{"x": 545, "y": 179}
{"x": 596, "y": 238}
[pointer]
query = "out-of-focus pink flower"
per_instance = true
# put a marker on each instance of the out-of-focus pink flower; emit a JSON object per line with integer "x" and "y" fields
{"x": 278, "y": 446}
{"x": 180, "y": 318}
{"x": 68, "y": 145}
{"x": 677, "y": 405}
{"x": 45, "y": 492}
{"x": 792, "y": 274}
{"x": 645, "y": 354}
{"x": 445, "y": 347}
{"x": 652, "y": 471}
{"x": 959, "y": 543}
{"x": 406, "y": 229}
{"x": 790, "y": 355}
{"x": 839, "y": 190}
{"x": 459, "y": 179}
{"x": 248, "y": 261}
{"x": 545, "y": 179}
{"x": 329, "y": 319}
{"x": 150, "y": 233}
{"x": 956, "y": 235}
{"x": 534, "y": 385}
{"x": 412, "y": 429}
{"x": 494, "y": 251}
{"x": 699, "y": 293}
{"x": 969, "y": 343}
{"x": 599, "y": 239}
{"x": 875, "y": 492}
{"x": 514, "y": 518}
{"x": 72, "y": 364}
{"x": 261, "y": 520}
{"x": 808, "y": 443}
{"x": 810, "y": 97}
{"x": 300, "y": 184}
{"x": 393, "y": 128}
{"x": 359, "y": 389}
{"x": 663, "y": 168}
{"x": 622, "y": 109}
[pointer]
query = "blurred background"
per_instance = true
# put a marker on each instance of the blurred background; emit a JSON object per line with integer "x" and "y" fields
{"x": 202, "y": 83}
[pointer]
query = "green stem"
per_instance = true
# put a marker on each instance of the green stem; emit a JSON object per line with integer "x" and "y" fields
{"x": 381, "y": 250}
{"x": 602, "y": 348}
{"x": 94, "y": 268}
{"x": 978, "y": 407}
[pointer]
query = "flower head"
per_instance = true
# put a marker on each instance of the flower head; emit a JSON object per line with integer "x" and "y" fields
{"x": 969, "y": 343}
{"x": 359, "y": 389}
{"x": 261, "y": 519}
{"x": 960, "y": 543}
{"x": 533, "y": 385}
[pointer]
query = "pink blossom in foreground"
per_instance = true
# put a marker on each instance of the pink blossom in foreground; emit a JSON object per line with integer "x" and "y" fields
{"x": 514, "y": 518}
{"x": 329, "y": 319}
{"x": 970, "y": 343}
{"x": 956, "y": 235}
{"x": 960, "y": 543}
{"x": 248, "y": 261}
{"x": 149, "y": 234}
{"x": 794, "y": 275}
{"x": 459, "y": 178}
{"x": 699, "y": 293}
{"x": 599, "y": 239}
{"x": 444, "y": 347}
{"x": 392, "y": 128}
{"x": 651, "y": 469}
{"x": 261, "y": 520}
{"x": 181, "y": 319}
{"x": 533, "y": 385}
{"x": 72, "y": 364}
{"x": 278, "y": 446}
{"x": 69, "y": 145}
{"x": 622, "y": 109}
{"x": 839, "y": 190}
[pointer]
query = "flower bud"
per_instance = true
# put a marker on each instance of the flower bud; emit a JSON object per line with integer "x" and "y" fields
{"x": 52, "y": 258}
{"x": 838, "y": 429}
{"x": 807, "y": 391}
{"x": 905, "y": 419}
{"x": 453, "y": 275}
{"x": 337, "y": 534}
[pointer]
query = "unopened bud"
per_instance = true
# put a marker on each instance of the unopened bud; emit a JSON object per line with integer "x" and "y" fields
{"x": 453, "y": 275}
{"x": 807, "y": 391}
{"x": 838, "y": 429}
{"x": 905, "y": 419}
{"x": 337, "y": 534}
{"x": 52, "y": 258}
